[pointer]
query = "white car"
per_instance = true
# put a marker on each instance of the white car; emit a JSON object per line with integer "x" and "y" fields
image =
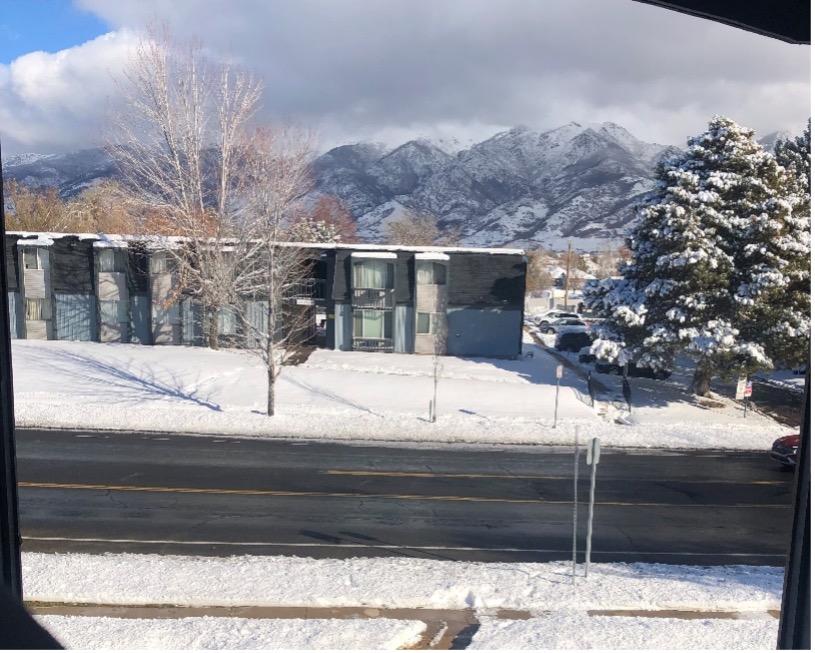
{"x": 565, "y": 325}
{"x": 549, "y": 317}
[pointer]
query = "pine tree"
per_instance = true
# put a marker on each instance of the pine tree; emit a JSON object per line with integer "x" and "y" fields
{"x": 680, "y": 290}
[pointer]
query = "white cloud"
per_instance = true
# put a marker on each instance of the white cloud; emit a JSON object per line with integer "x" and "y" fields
{"x": 355, "y": 69}
{"x": 59, "y": 100}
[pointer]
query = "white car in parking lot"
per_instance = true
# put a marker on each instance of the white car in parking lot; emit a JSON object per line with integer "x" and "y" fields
{"x": 565, "y": 325}
{"x": 549, "y": 317}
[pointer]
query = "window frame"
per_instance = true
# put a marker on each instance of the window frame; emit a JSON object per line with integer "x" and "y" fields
{"x": 390, "y": 273}
{"x": 38, "y": 258}
{"x": 358, "y": 317}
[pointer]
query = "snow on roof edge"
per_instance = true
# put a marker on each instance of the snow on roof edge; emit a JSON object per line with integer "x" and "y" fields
{"x": 432, "y": 256}
{"x": 156, "y": 240}
{"x": 39, "y": 241}
{"x": 388, "y": 255}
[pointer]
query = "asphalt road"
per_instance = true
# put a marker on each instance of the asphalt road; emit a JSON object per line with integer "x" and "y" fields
{"x": 92, "y": 491}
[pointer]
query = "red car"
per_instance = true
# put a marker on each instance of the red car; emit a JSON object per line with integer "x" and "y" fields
{"x": 785, "y": 450}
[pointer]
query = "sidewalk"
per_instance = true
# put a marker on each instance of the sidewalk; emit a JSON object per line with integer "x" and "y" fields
{"x": 135, "y": 626}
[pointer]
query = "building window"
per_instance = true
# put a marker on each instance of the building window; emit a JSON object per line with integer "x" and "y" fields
{"x": 422, "y": 323}
{"x": 107, "y": 260}
{"x": 373, "y": 274}
{"x": 33, "y": 258}
{"x": 373, "y": 324}
{"x": 227, "y": 322}
{"x": 431, "y": 273}
{"x": 37, "y": 309}
{"x": 159, "y": 263}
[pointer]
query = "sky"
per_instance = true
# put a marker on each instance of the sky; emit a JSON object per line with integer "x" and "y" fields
{"x": 391, "y": 70}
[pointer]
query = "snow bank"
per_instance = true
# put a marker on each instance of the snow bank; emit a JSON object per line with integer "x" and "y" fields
{"x": 581, "y": 631}
{"x": 392, "y": 583}
{"x": 228, "y": 633}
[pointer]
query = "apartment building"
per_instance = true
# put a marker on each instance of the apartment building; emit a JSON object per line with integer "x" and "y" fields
{"x": 452, "y": 300}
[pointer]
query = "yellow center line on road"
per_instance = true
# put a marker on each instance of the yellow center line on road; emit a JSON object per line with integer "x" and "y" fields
{"x": 532, "y": 477}
{"x": 351, "y": 495}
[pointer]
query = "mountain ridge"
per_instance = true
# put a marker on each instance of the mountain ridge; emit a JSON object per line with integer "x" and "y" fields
{"x": 577, "y": 183}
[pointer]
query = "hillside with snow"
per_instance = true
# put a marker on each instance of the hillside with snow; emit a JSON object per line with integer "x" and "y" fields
{"x": 521, "y": 187}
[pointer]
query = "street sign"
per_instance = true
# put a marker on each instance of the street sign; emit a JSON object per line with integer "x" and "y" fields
{"x": 559, "y": 372}
{"x": 748, "y": 389}
{"x": 740, "y": 386}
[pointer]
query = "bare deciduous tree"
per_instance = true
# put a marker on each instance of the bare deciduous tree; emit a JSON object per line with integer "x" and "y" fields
{"x": 608, "y": 263}
{"x": 180, "y": 142}
{"x": 36, "y": 210}
{"x": 538, "y": 276}
{"x": 102, "y": 208}
{"x": 274, "y": 273}
{"x": 421, "y": 229}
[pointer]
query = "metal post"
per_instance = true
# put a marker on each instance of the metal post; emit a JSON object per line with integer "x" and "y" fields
{"x": 574, "y": 511}
{"x": 557, "y": 399}
{"x": 591, "y": 388}
{"x": 794, "y": 624}
{"x": 593, "y": 455}
{"x": 9, "y": 524}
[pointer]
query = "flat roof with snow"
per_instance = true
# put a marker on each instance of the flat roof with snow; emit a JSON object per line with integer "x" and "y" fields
{"x": 159, "y": 242}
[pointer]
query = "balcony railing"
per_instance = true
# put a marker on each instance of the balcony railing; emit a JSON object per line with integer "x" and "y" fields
{"x": 373, "y": 344}
{"x": 373, "y": 298}
{"x": 309, "y": 289}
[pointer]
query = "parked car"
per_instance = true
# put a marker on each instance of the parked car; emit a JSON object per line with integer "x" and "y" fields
{"x": 565, "y": 324}
{"x": 573, "y": 340}
{"x": 547, "y": 318}
{"x": 604, "y": 367}
{"x": 785, "y": 451}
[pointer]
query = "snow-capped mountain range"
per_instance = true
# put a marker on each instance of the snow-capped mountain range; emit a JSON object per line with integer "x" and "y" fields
{"x": 577, "y": 183}
{"x": 521, "y": 187}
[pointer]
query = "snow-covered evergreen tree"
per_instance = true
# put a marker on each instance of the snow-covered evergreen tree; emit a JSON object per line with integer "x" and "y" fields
{"x": 687, "y": 287}
{"x": 772, "y": 253}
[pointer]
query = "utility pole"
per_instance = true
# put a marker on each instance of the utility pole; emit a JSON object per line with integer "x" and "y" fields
{"x": 566, "y": 277}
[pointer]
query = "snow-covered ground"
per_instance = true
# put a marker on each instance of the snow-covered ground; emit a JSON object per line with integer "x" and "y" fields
{"x": 354, "y": 395}
{"x": 221, "y": 633}
{"x": 393, "y": 583}
{"x": 581, "y": 631}
{"x": 558, "y": 608}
